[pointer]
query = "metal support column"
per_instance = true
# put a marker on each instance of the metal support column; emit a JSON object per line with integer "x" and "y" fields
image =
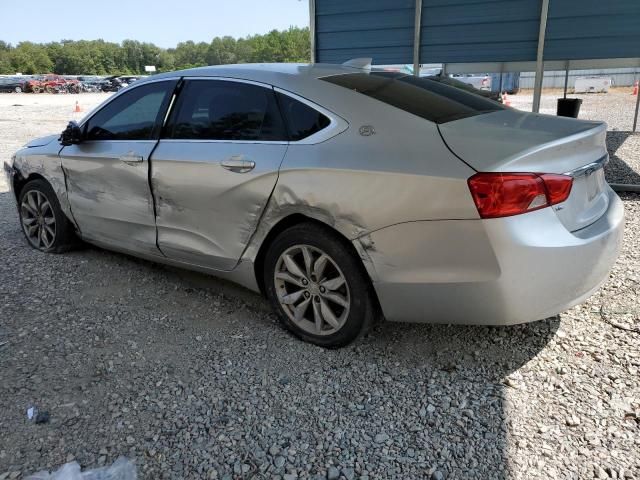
{"x": 312, "y": 29}
{"x": 635, "y": 118}
{"x": 537, "y": 89}
{"x": 566, "y": 77}
{"x": 416, "y": 38}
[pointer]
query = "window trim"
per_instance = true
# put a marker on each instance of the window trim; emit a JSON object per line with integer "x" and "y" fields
{"x": 336, "y": 125}
{"x": 138, "y": 84}
{"x": 201, "y": 140}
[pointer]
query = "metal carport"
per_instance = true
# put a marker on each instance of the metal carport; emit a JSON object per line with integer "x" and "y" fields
{"x": 480, "y": 35}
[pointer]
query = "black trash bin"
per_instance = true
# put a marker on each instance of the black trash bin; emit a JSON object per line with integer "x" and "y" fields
{"x": 569, "y": 107}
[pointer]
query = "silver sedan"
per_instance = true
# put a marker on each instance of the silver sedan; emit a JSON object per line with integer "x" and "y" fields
{"x": 343, "y": 194}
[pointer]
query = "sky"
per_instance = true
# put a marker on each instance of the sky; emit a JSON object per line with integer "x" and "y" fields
{"x": 162, "y": 22}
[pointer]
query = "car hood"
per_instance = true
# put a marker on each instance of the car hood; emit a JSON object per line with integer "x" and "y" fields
{"x": 510, "y": 140}
{"x": 42, "y": 141}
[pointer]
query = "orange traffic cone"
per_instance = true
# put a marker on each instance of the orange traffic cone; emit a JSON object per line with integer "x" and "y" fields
{"x": 77, "y": 109}
{"x": 635, "y": 88}
{"x": 505, "y": 99}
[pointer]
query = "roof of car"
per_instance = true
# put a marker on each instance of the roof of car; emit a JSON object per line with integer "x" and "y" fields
{"x": 265, "y": 72}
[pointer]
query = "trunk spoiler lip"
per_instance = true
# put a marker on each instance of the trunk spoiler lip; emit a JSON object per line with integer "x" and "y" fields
{"x": 579, "y": 135}
{"x": 508, "y": 158}
{"x": 588, "y": 169}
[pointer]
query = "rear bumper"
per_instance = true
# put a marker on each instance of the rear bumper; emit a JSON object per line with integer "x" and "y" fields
{"x": 492, "y": 272}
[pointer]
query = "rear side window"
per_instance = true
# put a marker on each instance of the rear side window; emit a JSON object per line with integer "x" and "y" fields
{"x": 226, "y": 110}
{"x": 302, "y": 120}
{"x": 423, "y": 97}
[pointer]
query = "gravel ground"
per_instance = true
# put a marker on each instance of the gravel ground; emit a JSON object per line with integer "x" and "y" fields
{"x": 192, "y": 377}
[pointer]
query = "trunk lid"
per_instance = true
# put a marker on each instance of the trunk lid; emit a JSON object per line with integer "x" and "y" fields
{"x": 513, "y": 141}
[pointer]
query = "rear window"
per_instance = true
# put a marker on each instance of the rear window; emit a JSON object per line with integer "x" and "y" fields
{"x": 421, "y": 96}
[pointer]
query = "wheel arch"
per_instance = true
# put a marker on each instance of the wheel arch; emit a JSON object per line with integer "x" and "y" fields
{"x": 296, "y": 219}
{"x": 19, "y": 181}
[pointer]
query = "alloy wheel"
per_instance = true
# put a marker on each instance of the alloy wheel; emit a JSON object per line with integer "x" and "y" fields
{"x": 38, "y": 220}
{"x": 312, "y": 290}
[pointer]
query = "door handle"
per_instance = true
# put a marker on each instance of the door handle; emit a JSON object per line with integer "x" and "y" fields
{"x": 131, "y": 158}
{"x": 238, "y": 164}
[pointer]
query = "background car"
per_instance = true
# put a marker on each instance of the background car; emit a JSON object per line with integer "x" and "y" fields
{"x": 12, "y": 84}
{"x": 91, "y": 83}
{"x": 480, "y": 81}
{"x": 112, "y": 84}
{"x": 455, "y": 82}
{"x": 52, "y": 83}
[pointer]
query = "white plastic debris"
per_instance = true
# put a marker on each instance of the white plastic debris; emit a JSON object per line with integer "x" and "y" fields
{"x": 36, "y": 415}
{"x": 122, "y": 469}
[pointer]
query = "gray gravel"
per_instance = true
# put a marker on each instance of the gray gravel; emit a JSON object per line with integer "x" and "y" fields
{"x": 192, "y": 377}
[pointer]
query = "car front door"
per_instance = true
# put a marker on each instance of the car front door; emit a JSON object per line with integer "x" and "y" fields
{"x": 215, "y": 168}
{"x": 108, "y": 172}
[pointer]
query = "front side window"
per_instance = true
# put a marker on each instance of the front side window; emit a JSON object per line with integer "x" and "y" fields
{"x": 134, "y": 115}
{"x": 421, "y": 96}
{"x": 302, "y": 120}
{"x": 226, "y": 110}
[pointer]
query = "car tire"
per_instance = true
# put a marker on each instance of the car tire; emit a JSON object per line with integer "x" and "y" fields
{"x": 18, "y": 90}
{"x": 44, "y": 225}
{"x": 318, "y": 286}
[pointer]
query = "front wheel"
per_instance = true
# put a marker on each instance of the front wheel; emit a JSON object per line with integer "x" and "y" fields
{"x": 43, "y": 222}
{"x": 318, "y": 286}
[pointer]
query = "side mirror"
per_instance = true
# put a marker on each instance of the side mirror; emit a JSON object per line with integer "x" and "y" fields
{"x": 72, "y": 135}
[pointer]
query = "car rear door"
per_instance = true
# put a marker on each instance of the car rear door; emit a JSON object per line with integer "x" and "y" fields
{"x": 214, "y": 169}
{"x": 108, "y": 172}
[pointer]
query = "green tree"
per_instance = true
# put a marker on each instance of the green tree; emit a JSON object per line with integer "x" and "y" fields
{"x": 5, "y": 61}
{"x": 97, "y": 57}
{"x": 30, "y": 58}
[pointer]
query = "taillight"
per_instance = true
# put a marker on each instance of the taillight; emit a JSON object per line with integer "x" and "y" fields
{"x": 485, "y": 81}
{"x": 506, "y": 194}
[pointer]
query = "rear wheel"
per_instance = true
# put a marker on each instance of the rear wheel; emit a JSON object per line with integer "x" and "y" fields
{"x": 18, "y": 89}
{"x": 318, "y": 286}
{"x": 43, "y": 222}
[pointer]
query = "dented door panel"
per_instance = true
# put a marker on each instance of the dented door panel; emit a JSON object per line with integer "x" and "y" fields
{"x": 40, "y": 157}
{"x": 109, "y": 192}
{"x": 358, "y": 184}
{"x": 207, "y": 213}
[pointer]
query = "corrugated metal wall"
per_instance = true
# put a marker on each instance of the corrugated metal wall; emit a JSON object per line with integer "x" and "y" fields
{"x": 579, "y": 29}
{"x": 465, "y": 31}
{"x": 363, "y": 28}
{"x": 461, "y": 31}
